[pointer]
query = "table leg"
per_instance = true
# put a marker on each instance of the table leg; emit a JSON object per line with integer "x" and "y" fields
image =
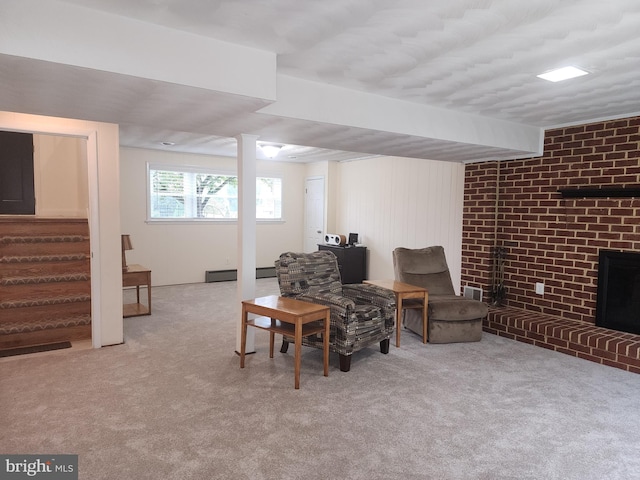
{"x": 398, "y": 318}
{"x": 243, "y": 336}
{"x": 149, "y": 295}
{"x": 298, "y": 352}
{"x": 137, "y": 293}
{"x": 325, "y": 343}
{"x": 425, "y": 319}
{"x": 272, "y": 337}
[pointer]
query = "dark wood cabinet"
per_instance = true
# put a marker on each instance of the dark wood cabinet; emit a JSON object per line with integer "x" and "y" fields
{"x": 352, "y": 262}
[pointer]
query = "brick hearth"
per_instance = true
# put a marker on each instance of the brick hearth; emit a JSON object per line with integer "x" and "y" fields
{"x": 572, "y": 337}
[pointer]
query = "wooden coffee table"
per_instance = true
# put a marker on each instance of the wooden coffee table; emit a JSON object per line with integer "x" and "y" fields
{"x": 404, "y": 291}
{"x": 290, "y": 317}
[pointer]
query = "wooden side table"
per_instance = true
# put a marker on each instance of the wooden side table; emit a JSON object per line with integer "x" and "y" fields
{"x": 404, "y": 291}
{"x": 286, "y": 316}
{"x": 137, "y": 276}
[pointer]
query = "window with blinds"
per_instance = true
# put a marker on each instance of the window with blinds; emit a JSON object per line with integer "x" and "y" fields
{"x": 177, "y": 193}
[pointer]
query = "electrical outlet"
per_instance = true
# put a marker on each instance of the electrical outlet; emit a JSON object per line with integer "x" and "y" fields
{"x": 540, "y": 288}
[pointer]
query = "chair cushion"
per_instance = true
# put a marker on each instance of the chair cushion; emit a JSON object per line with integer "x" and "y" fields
{"x": 455, "y": 308}
{"x": 308, "y": 272}
{"x": 445, "y": 330}
{"x": 421, "y": 261}
{"x": 455, "y": 332}
{"x": 423, "y": 267}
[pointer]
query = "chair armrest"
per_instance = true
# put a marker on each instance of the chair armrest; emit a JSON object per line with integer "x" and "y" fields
{"x": 328, "y": 300}
{"x": 364, "y": 293}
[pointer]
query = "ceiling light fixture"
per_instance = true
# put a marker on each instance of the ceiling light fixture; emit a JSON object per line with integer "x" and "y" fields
{"x": 168, "y": 144}
{"x": 270, "y": 150}
{"x": 564, "y": 73}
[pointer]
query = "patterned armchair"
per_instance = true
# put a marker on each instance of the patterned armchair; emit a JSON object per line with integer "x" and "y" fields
{"x": 361, "y": 314}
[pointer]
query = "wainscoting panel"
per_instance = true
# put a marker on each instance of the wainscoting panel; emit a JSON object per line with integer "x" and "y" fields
{"x": 402, "y": 202}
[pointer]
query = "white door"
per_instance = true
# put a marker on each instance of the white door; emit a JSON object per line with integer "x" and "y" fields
{"x": 314, "y": 213}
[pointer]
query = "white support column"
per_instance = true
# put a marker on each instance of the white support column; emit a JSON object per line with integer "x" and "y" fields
{"x": 246, "y": 229}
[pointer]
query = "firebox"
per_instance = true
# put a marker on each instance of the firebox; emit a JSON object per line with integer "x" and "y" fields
{"x": 618, "y": 301}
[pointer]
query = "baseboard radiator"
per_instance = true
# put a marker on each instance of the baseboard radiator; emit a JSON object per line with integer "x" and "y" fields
{"x": 232, "y": 275}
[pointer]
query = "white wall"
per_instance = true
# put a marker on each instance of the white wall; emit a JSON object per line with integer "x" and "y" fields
{"x": 180, "y": 253}
{"x": 401, "y": 202}
{"x": 389, "y": 201}
{"x": 60, "y": 176}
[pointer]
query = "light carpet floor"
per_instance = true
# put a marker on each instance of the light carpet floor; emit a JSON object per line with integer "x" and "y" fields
{"x": 173, "y": 403}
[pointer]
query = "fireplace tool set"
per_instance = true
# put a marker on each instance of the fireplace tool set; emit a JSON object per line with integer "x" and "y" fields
{"x": 498, "y": 291}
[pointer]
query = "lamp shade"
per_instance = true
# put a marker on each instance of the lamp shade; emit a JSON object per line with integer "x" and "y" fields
{"x": 126, "y": 242}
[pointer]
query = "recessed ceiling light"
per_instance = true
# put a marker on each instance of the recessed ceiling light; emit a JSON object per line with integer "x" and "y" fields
{"x": 563, "y": 73}
{"x": 168, "y": 144}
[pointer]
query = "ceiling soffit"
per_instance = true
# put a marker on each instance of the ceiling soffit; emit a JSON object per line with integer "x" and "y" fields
{"x": 443, "y": 81}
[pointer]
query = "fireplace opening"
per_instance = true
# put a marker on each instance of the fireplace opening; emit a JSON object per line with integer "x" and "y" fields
{"x": 618, "y": 301}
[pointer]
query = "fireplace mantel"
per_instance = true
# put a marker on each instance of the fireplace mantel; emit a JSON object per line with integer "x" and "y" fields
{"x": 597, "y": 192}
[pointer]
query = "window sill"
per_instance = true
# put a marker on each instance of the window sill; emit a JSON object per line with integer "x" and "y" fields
{"x": 208, "y": 221}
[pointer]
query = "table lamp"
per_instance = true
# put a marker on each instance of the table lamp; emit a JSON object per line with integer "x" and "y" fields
{"x": 126, "y": 245}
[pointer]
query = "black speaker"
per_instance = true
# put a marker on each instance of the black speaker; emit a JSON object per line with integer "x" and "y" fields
{"x": 353, "y": 238}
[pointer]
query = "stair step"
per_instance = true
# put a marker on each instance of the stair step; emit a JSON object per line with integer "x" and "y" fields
{"x": 42, "y": 290}
{"x": 29, "y": 280}
{"x": 34, "y": 269}
{"x": 45, "y": 347}
{"x": 43, "y": 239}
{"x": 44, "y": 312}
{"x": 44, "y": 324}
{"x": 32, "y": 226}
{"x": 44, "y": 301}
{"x": 44, "y": 258}
{"x": 49, "y": 335}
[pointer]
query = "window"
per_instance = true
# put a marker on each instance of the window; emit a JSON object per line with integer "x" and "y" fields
{"x": 188, "y": 194}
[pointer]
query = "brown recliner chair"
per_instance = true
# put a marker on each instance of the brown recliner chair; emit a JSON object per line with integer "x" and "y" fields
{"x": 451, "y": 318}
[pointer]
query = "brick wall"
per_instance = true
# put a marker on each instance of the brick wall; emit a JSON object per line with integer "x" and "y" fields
{"x": 549, "y": 239}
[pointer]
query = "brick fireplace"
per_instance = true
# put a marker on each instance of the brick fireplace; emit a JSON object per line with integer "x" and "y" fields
{"x": 554, "y": 238}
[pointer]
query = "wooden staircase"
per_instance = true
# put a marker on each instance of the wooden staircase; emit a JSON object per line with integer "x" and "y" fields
{"x": 45, "y": 284}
